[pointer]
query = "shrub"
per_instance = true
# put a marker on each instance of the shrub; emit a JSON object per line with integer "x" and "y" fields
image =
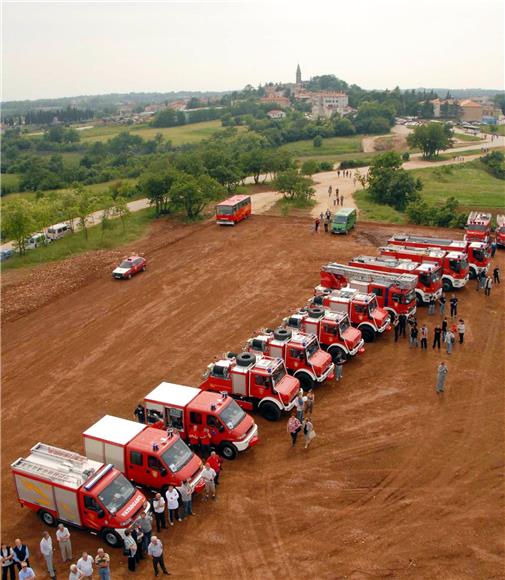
{"x": 350, "y": 163}
{"x": 406, "y": 156}
{"x": 318, "y": 141}
{"x": 325, "y": 166}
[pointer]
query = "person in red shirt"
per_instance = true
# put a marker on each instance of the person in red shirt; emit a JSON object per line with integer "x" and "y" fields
{"x": 216, "y": 463}
{"x": 194, "y": 439}
{"x": 205, "y": 440}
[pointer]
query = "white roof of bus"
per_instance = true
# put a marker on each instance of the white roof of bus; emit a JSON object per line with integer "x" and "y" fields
{"x": 173, "y": 394}
{"x": 233, "y": 200}
{"x": 115, "y": 430}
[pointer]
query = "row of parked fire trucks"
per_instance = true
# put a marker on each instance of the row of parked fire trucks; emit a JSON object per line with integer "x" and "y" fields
{"x": 353, "y": 304}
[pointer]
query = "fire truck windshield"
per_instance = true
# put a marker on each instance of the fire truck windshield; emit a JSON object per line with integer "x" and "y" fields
{"x": 478, "y": 255}
{"x": 311, "y": 348}
{"x": 344, "y": 325}
{"x": 225, "y": 210}
{"x": 278, "y": 374}
{"x": 410, "y": 296}
{"x": 177, "y": 455}
{"x": 116, "y": 494}
{"x": 477, "y": 227}
{"x": 372, "y": 305}
{"x": 232, "y": 415}
{"x": 428, "y": 278}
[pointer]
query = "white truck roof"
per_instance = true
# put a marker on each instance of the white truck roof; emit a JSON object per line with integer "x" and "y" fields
{"x": 114, "y": 430}
{"x": 173, "y": 394}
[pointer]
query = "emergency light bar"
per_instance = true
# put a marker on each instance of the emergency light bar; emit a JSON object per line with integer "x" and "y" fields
{"x": 98, "y": 476}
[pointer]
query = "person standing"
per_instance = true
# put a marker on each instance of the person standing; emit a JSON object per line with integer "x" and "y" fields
{"x": 186, "y": 494}
{"x": 102, "y": 561}
{"x": 493, "y": 248}
{"x": 146, "y": 525}
{"x": 445, "y": 324}
{"x": 431, "y": 306}
{"x": 402, "y": 323}
{"x": 208, "y": 476}
{"x": 461, "y": 330}
{"x": 138, "y": 536}
{"x": 130, "y": 549}
{"x": 482, "y": 278}
{"x": 215, "y": 462}
{"x": 496, "y": 275}
{"x": 329, "y": 191}
{"x": 63, "y": 537}
{"x": 159, "y": 512}
{"x": 26, "y": 573}
{"x": 339, "y": 367}
{"x": 300, "y": 405}
{"x": 308, "y": 432}
{"x": 155, "y": 550}
{"x": 46, "y": 549}
{"x": 21, "y": 553}
{"x": 85, "y": 565}
{"x": 204, "y": 436}
{"x": 449, "y": 341}
{"x": 488, "y": 286}
{"x": 424, "y": 337}
{"x": 194, "y": 441}
{"x": 436, "y": 336}
{"x": 140, "y": 413}
{"x": 342, "y": 200}
{"x": 309, "y": 403}
{"x": 317, "y": 221}
{"x": 454, "y": 306}
{"x": 326, "y": 224}
{"x": 74, "y": 573}
{"x": 172, "y": 504}
{"x": 294, "y": 426}
{"x": 413, "y": 335}
{"x": 441, "y": 376}
{"x": 7, "y": 559}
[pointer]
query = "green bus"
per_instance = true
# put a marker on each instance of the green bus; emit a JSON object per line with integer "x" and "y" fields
{"x": 343, "y": 221}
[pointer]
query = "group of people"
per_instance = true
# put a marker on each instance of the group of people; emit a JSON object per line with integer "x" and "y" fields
{"x": 301, "y": 419}
{"x": 325, "y": 219}
{"x": 485, "y": 282}
{"x": 339, "y": 199}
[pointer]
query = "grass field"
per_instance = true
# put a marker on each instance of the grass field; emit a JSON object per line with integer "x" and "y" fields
{"x": 177, "y": 135}
{"x": 10, "y": 180}
{"x": 375, "y": 212}
{"x": 136, "y": 227}
{"x": 331, "y": 146}
{"x": 500, "y": 129}
{"x": 466, "y": 137}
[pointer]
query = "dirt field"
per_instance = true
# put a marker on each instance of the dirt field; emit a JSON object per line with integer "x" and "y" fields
{"x": 399, "y": 482}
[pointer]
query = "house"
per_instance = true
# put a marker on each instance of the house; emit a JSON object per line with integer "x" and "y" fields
{"x": 470, "y": 110}
{"x": 276, "y": 114}
{"x": 273, "y": 99}
{"x": 325, "y": 103}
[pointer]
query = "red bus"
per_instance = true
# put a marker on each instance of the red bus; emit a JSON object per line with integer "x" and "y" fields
{"x": 233, "y": 210}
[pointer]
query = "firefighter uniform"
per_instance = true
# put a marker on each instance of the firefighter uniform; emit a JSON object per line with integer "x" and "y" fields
{"x": 205, "y": 440}
{"x": 194, "y": 439}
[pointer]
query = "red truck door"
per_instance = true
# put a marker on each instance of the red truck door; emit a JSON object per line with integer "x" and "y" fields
{"x": 93, "y": 513}
{"x": 135, "y": 465}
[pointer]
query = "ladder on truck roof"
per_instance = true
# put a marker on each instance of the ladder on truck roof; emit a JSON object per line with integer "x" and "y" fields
{"x": 479, "y": 217}
{"x": 45, "y": 450}
{"x": 414, "y": 251}
{"x": 404, "y": 281}
{"x": 49, "y": 473}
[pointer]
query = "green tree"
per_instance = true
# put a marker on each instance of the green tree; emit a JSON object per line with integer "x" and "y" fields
{"x": 157, "y": 186}
{"x": 318, "y": 141}
{"x": 67, "y": 207}
{"x": 86, "y": 203}
{"x": 19, "y": 222}
{"x": 293, "y": 185}
{"x": 121, "y": 210}
{"x": 389, "y": 184}
{"x": 310, "y": 167}
{"x": 107, "y": 215}
{"x": 192, "y": 194}
{"x": 431, "y": 138}
{"x": 343, "y": 127}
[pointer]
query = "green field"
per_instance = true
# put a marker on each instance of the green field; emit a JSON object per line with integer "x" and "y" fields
{"x": 177, "y": 135}
{"x": 136, "y": 226}
{"x": 465, "y": 137}
{"x": 500, "y": 129}
{"x": 10, "y": 180}
{"x": 331, "y": 146}
{"x": 375, "y": 212}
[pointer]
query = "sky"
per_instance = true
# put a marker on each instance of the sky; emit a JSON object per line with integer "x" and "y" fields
{"x": 56, "y": 49}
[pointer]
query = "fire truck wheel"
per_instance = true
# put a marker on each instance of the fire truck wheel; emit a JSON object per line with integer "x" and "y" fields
{"x": 111, "y": 538}
{"x": 228, "y": 451}
{"x": 282, "y": 333}
{"x": 472, "y": 274}
{"x": 447, "y": 286}
{"x": 244, "y": 359}
{"x": 47, "y": 518}
{"x": 270, "y": 411}
{"x": 419, "y": 300}
{"x": 367, "y": 333}
{"x": 306, "y": 381}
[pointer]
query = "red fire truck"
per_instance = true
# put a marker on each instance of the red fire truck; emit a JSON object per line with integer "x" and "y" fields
{"x": 232, "y": 430}
{"x": 428, "y": 274}
{"x": 63, "y": 486}
{"x": 362, "y": 309}
{"x": 301, "y": 353}
{"x": 454, "y": 264}
{"x": 147, "y": 456}
{"x": 233, "y": 210}
{"x": 333, "y": 330}
{"x": 255, "y": 382}
{"x": 478, "y": 253}
{"x": 396, "y": 293}
{"x": 500, "y": 230}
{"x": 478, "y": 227}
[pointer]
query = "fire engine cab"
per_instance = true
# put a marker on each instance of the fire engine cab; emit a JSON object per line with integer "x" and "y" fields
{"x": 500, "y": 230}
{"x": 478, "y": 227}
{"x": 454, "y": 264}
{"x": 233, "y": 210}
{"x": 63, "y": 486}
{"x": 428, "y": 274}
{"x": 147, "y": 456}
{"x": 396, "y": 293}
{"x": 255, "y": 382}
{"x": 333, "y": 330}
{"x": 362, "y": 309}
{"x": 478, "y": 253}
{"x": 183, "y": 408}
{"x": 301, "y": 353}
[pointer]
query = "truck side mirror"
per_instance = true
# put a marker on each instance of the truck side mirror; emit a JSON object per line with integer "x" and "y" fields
{"x": 101, "y": 514}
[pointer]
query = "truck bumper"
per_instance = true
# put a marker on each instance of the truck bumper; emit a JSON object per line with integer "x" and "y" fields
{"x": 358, "y": 349}
{"x": 328, "y": 374}
{"x": 225, "y": 223}
{"x": 459, "y": 282}
{"x": 247, "y": 442}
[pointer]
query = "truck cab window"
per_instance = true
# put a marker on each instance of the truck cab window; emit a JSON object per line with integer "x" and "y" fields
{"x": 174, "y": 418}
{"x": 90, "y": 503}
{"x": 295, "y": 353}
{"x": 330, "y": 329}
{"x": 136, "y": 458}
{"x": 215, "y": 422}
{"x": 377, "y": 291}
{"x": 153, "y": 462}
{"x": 153, "y": 416}
{"x": 195, "y": 418}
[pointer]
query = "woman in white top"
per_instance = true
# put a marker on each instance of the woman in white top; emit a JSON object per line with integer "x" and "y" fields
{"x": 172, "y": 496}
{"x": 7, "y": 559}
{"x": 130, "y": 548}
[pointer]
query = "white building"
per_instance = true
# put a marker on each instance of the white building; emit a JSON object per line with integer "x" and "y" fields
{"x": 276, "y": 114}
{"x": 325, "y": 103}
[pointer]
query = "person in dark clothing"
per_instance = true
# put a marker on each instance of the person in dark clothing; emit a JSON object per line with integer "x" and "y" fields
{"x": 445, "y": 324}
{"x": 454, "y": 306}
{"x": 396, "y": 326}
{"x": 437, "y": 331}
{"x": 413, "y": 335}
{"x": 402, "y": 324}
{"x": 317, "y": 221}
{"x": 496, "y": 275}
{"x": 140, "y": 413}
{"x": 493, "y": 248}
{"x": 21, "y": 553}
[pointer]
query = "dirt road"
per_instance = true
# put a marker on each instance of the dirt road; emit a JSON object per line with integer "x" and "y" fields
{"x": 399, "y": 482}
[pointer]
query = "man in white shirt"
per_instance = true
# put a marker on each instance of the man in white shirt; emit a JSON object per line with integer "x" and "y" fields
{"x": 74, "y": 574}
{"x": 46, "y": 549}
{"x": 172, "y": 504}
{"x": 159, "y": 511}
{"x": 85, "y": 565}
{"x": 155, "y": 550}
{"x": 63, "y": 537}
{"x": 209, "y": 475}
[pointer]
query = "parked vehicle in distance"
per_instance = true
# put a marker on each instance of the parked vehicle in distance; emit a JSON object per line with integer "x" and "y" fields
{"x": 145, "y": 455}
{"x": 6, "y": 254}
{"x": 37, "y": 240}
{"x": 233, "y": 210}
{"x": 343, "y": 221}
{"x": 58, "y": 231}
{"x": 478, "y": 227}
{"x": 129, "y": 267}
{"x": 63, "y": 486}
{"x": 500, "y": 230}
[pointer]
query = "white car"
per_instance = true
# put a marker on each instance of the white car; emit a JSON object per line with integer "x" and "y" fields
{"x": 37, "y": 240}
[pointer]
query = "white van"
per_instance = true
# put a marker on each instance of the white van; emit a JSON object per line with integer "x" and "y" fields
{"x": 37, "y": 240}
{"x": 58, "y": 231}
